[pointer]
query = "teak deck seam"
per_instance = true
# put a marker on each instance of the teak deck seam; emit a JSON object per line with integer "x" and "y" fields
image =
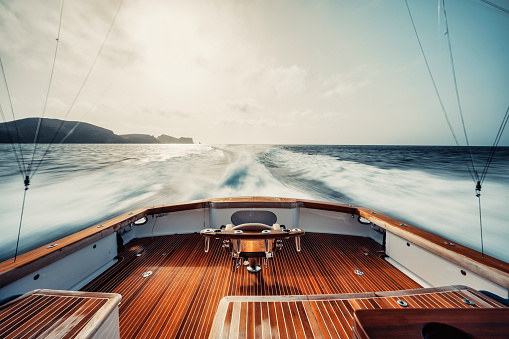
{"x": 182, "y": 295}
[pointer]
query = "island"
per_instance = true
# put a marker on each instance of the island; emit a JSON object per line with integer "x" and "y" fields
{"x": 71, "y": 132}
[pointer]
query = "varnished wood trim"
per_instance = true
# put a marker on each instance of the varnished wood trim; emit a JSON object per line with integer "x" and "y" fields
{"x": 219, "y": 319}
{"x": 333, "y": 316}
{"x": 488, "y": 267}
{"x": 34, "y": 260}
{"x": 53, "y": 313}
{"x": 421, "y": 291}
{"x": 318, "y": 297}
{"x": 408, "y": 323}
{"x": 328, "y": 206}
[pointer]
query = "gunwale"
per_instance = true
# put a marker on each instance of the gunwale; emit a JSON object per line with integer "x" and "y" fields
{"x": 488, "y": 267}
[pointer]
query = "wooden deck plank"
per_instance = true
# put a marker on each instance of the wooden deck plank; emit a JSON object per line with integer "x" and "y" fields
{"x": 180, "y": 298}
{"x": 55, "y": 314}
{"x": 334, "y": 317}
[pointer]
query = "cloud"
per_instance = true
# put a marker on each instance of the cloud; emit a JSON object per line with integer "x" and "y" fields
{"x": 310, "y": 114}
{"x": 256, "y": 123}
{"x": 345, "y": 84}
{"x": 290, "y": 80}
{"x": 167, "y": 113}
{"x": 245, "y": 106}
{"x": 338, "y": 86}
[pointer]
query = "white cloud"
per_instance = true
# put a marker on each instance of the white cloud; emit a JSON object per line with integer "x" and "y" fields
{"x": 245, "y": 106}
{"x": 338, "y": 86}
{"x": 290, "y": 80}
{"x": 162, "y": 112}
{"x": 346, "y": 84}
{"x": 256, "y": 123}
{"x": 311, "y": 114}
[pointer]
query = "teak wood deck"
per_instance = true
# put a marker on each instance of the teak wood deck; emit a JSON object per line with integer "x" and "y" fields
{"x": 59, "y": 314}
{"x": 181, "y": 296}
{"x": 332, "y": 316}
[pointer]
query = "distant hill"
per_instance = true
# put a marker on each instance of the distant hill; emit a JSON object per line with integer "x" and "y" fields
{"x": 166, "y": 139}
{"x": 84, "y": 133}
{"x": 140, "y": 139}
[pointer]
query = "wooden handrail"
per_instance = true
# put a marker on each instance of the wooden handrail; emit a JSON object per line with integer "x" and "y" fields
{"x": 488, "y": 267}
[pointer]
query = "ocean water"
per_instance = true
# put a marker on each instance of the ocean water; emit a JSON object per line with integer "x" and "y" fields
{"x": 80, "y": 185}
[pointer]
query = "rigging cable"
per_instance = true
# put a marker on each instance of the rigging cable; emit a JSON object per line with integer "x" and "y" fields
{"x": 435, "y": 86}
{"x": 36, "y": 137}
{"x": 7, "y": 130}
{"x": 495, "y": 144}
{"x": 81, "y": 88}
{"x": 485, "y": 170}
{"x": 480, "y": 221}
{"x": 21, "y": 220}
{"x": 431, "y": 76}
{"x": 24, "y": 171}
{"x": 500, "y": 8}
{"x": 447, "y": 33}
{"x": 98, "y": 99}
{"x": 478, "y": 180}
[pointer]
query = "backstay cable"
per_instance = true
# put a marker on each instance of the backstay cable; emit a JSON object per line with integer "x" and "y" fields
{"x": 495, "y": 144}
{"x": 81, "y": 88}
{"x": 36, "y": 137}
{"x": 500, "y": 8}
{"x": 431, "y": 76}
{"x": 98, "y": 99}
{"x": 473, "y": 172}
{"x": 436, "y": 88}
{"x": 21, "y": 159}
{"x": 447, "y": 33}
{"x": 7, "y": 130}
{"x": 20, "y": 222}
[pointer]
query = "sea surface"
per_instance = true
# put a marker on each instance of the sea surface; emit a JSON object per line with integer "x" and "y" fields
{"x": 78, "y": 186}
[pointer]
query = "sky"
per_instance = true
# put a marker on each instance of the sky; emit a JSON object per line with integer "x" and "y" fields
{"x": 262, "y": 71}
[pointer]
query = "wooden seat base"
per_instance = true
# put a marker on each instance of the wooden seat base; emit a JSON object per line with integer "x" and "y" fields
{"x": 332, "y": 316}
{"x": 61, "y": 314}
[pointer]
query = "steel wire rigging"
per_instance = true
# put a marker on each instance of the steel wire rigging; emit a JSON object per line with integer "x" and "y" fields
{"x": 98, "y": 99}
{"x": 80, "y": 89}
{"x": 19, "y": 158}
{"x": 24, "y": 168}
{"x": 36, "y": 137}
{"x": 500, "y": 8}
{"x": 11, "y": 141}
{"x": 453, "y": 70}
{"x": 478, "y": 179}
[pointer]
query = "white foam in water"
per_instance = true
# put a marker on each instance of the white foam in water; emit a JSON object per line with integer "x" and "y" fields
{"x": 242, "y": 175}
{"x": 444, "y": 206}
{"x": 81, "y": 185}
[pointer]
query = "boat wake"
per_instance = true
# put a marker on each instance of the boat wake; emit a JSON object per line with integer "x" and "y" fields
{"x": 81, "y": 185}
